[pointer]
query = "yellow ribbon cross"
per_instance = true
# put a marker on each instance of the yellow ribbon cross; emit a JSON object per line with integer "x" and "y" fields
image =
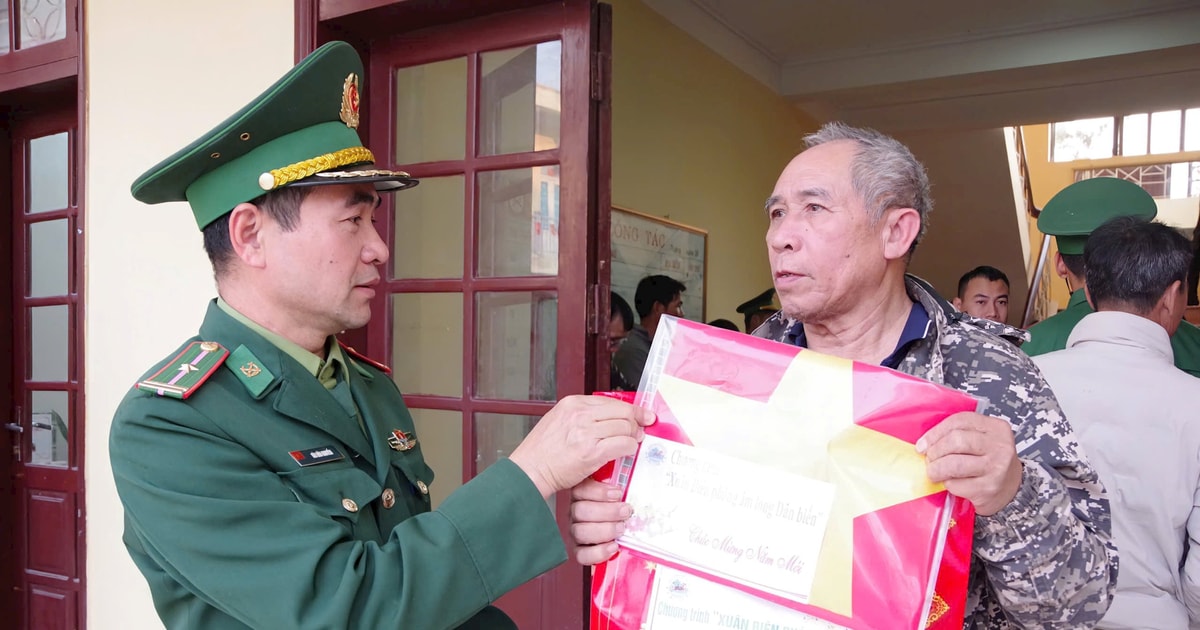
{"x": 807, "y": 427}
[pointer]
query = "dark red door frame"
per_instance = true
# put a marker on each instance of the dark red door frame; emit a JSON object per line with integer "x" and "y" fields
{"x": 582, "y": 284}
{"x": 33, "y": 82}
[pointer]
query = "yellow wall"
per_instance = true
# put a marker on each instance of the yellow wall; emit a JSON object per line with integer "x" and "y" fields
{"x": 1046, "y": 178}
{"x": 699, "y": 142}
{"x": 159, "y": 74}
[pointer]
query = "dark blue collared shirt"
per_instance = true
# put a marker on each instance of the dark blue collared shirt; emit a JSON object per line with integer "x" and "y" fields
{"x": 915, "y": 329}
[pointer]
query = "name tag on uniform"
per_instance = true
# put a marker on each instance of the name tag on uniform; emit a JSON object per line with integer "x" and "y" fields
{"x": 316, "y": 455}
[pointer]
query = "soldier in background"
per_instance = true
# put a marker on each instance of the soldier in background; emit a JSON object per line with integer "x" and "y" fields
{"x": 1070, "y": 216}
{"x": 758, "y": 309}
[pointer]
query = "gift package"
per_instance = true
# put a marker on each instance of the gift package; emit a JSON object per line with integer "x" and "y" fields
{"x": 781, "y": 489}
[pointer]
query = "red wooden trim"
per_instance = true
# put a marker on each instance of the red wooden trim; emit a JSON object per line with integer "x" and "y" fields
{"x": 424, "y": 285}
{"x": 20, "y": 78}
{"x": 378, "y": 87}
{"x": 31, "y": 62}
{"x": 470, "y": 247}
{"x": 57, "y": 300}
{"x": 331, "y": 9}
{"x": 530, "y": 159}
{"x": 600, "y": 247}
{"x": 11, "y": 32}
{"x": 54, "y": 215}
{"x": 9, "y": 597}
{"x": 374, "y": 19}
{"x": 576, "y": 267}
{"x": 455, "y": 285}
{"x": 306, "y": 27}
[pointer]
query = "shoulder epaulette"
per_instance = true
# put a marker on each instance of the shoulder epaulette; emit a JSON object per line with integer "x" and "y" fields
{"x": 185, "y": 373}
{"x": 365, "y": 359}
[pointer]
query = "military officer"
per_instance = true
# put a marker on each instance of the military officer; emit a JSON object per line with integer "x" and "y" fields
{"x": 1070, "y": 216}
{"x": 758, "y": 309}
{"x": 271, "y": 478}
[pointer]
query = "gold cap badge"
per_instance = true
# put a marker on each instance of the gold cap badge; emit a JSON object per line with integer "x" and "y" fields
{"x": 350, "y": 101}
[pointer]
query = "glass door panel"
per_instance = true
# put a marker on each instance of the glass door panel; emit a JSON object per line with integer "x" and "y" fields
{"x": 48, "y": 173}
{"x": 518, "y": 222}
{"x": 49, "y": 244}
{"x": 49, "y": 340}
{"x": 520, "y": 99}
{"x": 429, "y": 229}
{"x": 50, "y": 419}
{"x": 431, "y": 106}
{"x": 497, "y": 434}
{"x": 427, "y": 343}
{"x": 42, "y": 21}
{"x": 441, "y": 437}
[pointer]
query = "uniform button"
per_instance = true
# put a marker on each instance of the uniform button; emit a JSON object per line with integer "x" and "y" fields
{"x": 422, "y": 487}
{"x": 389, "y": 498}
{"x": 350, "y": 505}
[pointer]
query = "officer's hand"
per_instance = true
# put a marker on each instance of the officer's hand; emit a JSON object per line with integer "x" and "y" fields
{"x": 578, "y": 436}
{"x": 976, "y": 458}
{"x": 597, "y": 518}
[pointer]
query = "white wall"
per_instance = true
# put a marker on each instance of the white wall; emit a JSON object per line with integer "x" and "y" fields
{"x": 159, "y": 74}
{"x": 1179, "y": 213}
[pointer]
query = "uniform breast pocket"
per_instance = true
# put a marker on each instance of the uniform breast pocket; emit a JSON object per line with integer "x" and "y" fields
{"x": 342, "y": 493}
{"x": 414, "y": 477}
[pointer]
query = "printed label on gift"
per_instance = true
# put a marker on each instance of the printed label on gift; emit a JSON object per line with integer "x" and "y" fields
{"x": 681, "y": 601}
{"x": 726, "y": 517}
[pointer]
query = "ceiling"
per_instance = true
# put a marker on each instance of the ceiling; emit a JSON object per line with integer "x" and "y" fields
{"x": 945, "y": 76}
{"x": 953, "y": 64}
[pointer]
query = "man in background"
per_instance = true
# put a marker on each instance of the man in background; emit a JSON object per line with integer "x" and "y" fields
{"x": 655, "y": 296}
{"x": 1134, "y": 413}
{"x": 620, "y": 322}
{"x": 983, "y": 293}
{"x": 1070, "y": 216}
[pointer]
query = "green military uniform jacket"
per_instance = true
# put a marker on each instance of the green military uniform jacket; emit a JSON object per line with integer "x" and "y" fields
{"x": 232, "y": 532}
{"x": 1051, "y": 334}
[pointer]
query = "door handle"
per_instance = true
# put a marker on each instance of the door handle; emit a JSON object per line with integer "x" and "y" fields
{"x": 14, "y": 427}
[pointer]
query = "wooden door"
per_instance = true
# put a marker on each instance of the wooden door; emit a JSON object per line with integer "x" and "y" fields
{"x": 44, "y": 427}
{"x": 491, "y": 303}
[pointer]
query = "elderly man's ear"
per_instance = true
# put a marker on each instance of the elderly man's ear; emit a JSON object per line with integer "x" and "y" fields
{"x": 899, "y": 229}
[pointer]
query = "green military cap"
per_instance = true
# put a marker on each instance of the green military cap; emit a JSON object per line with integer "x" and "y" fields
{"x": 764, "y": 301}
{"x": 1072, "y": 214}
{"x": 302, "y": 131}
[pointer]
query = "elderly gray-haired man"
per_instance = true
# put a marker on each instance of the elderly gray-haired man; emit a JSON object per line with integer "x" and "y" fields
{"x": 844, "y": 219}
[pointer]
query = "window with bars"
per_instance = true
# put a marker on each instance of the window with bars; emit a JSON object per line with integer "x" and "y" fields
{"x": 1172, "y": 180}
{"x": 1147, "y": 133}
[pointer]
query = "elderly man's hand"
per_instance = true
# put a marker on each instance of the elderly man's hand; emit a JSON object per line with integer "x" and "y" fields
{"x": 578, "y": 436}
{"x": 597, "y": 518}
{"x": 976, "y": 458}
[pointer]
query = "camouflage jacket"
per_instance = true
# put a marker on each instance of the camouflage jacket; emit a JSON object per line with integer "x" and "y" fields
{"x": 1047, "y": 560}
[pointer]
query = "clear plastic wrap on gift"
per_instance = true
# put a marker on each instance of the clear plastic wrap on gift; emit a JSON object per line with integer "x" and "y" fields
{"x": 781, "y": 489}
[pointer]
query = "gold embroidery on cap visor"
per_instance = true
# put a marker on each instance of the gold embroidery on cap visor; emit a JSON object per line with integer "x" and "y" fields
{"x": 307, "y": 168}
{"x": 375, "y": 172}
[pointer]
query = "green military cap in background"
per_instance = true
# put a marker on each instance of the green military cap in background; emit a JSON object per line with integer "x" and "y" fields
{"x": 1072, "y": 214}
{"x": 302, "y": 131}
{"x": 764, "y": 301}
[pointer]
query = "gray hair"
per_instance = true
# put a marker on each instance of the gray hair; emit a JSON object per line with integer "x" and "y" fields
{"x": 884, "y": 173}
